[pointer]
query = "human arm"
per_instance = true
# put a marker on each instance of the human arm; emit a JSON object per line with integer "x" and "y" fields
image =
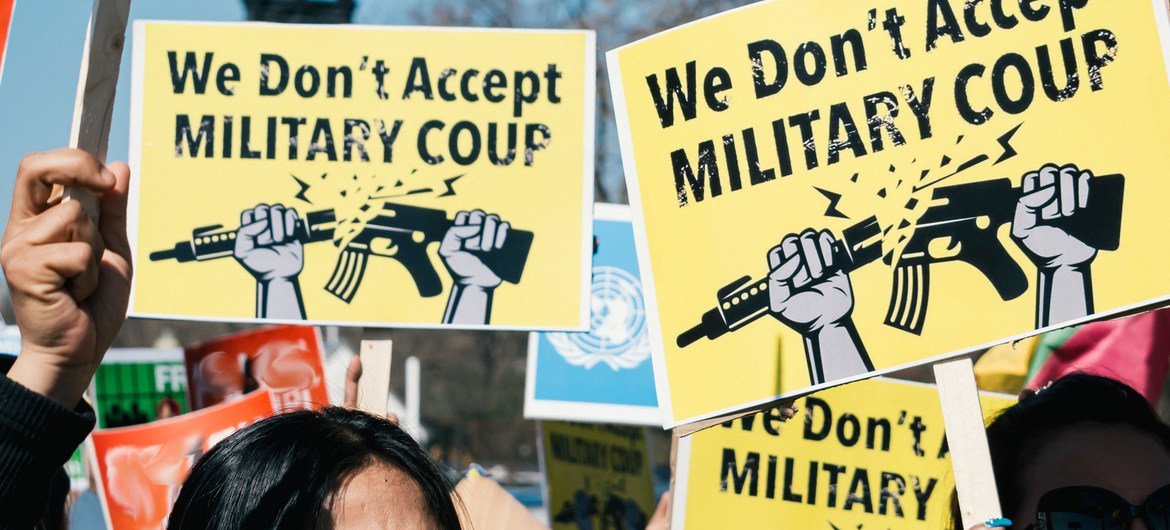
{"x": 808, "y": 292}
{"x": 1063, "y": 262}
{"x": 474, "y": 283}
{"x": 69, "y": 278}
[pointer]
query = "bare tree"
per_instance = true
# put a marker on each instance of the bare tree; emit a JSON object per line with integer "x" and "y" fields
{"x": 301, "y": 11}
{"x": 616, "y": 22}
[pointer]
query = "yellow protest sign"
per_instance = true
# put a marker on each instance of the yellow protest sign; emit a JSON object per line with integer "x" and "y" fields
{"x": 405, "y": 176}
{"x": 870, "y": 454}
{"x": 879, "y": 186}
{"x": 596, "y": 476}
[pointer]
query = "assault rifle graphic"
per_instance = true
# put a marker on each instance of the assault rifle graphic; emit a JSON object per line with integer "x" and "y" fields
{"x": 961, "y": 224}
{"x": 398, "y": 232}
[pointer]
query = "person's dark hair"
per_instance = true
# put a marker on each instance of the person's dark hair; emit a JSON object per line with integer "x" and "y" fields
{"x": 1020, "y": 432}
{"x": 283, "y": 472}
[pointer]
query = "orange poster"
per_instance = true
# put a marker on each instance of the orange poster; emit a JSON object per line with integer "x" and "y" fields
{"x": 141, "y": 468}
{"x": 286, "y": 359}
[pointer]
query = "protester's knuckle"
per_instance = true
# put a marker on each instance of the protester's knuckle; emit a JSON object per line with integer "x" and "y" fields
{"x": 26, "y": 166}
{"x": 16, "y": 270}
{"x": 80, "y": 161}
{"x": 7, "y": 255}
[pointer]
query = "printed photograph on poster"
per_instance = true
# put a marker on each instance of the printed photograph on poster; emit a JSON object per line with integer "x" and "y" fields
{"x": 288, "y": 360}
{"x": 596, "y": 476}
{"x": 604, "y": 375}
{"x": 847, "y": 460}
{"x": 884, "y": 190}
{"x": 381, "y": 176}
{"x": 141, "y": 468}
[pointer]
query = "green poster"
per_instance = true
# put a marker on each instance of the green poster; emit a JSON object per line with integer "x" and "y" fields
{"x": 140, "y": 385}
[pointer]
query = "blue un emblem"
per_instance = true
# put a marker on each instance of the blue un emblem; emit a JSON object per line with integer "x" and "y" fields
{"x": 617, "y": 325}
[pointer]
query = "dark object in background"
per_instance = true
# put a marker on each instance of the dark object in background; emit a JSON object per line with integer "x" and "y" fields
{"x": 53, "y": 517}
{"x": 301, "y": 11}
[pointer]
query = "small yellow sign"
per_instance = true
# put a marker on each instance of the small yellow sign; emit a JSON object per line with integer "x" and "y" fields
{"x": 869, "y": 454}
{"x": 596, "y": 476}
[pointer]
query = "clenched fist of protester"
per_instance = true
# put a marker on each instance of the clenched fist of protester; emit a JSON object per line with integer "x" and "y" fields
{"x": 1053, "y": 193}
{"x": 807, "y": 289}
{"x": 69, "y": 275}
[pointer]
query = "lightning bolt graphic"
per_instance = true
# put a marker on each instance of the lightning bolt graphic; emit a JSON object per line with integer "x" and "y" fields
{"x": 450, "y": 183}
{"x": 449, "y": 191}
{"x": 834, "y": 199}
{"x": 1005, "y": 141}
{"x": 304, "y": 188}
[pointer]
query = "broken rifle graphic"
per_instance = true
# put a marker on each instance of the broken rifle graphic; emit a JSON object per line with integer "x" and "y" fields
{"x": 961, "y": 224}
{"x": 398, "y": 232}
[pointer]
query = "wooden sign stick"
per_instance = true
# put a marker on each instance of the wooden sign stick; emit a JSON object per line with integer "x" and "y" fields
{"x": 674, "y": 438}
{"x": 967, "y": 440}
{"x": 374, "y": 386}
{"x": 96, "y": 86}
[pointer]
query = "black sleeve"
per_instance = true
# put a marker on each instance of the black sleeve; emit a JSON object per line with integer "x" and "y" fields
{"x": 37, "y": 437}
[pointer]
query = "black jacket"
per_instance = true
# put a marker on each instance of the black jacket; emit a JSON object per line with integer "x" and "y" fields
{"x": 37, "y": 437}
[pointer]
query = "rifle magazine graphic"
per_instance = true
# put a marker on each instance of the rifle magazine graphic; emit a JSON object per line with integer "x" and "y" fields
{"x": 909, "y": 297}
{"x": 347, "y": 275}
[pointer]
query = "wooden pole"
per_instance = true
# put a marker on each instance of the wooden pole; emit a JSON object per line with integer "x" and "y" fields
{"x": 374, "y": 386}
{"x": 96, "y": 87}
{"x": 967, "y": 439}
{"x": 674, "y": 439}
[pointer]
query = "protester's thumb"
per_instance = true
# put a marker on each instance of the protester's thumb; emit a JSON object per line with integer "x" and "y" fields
{"x": 663, "y": 506}
{"x": 661, "y": 514}
{"x": 112, "y": 219}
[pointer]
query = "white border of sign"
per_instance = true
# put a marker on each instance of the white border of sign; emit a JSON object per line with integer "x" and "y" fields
{"x": 665, "y": 405}
{"x": 135, "y": 155}
{"x": 547, "y": 409}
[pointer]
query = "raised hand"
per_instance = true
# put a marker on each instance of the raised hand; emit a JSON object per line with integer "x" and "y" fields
{"x": 808, "y": 292}
{"x": 1050, "y": 194}
{"x": 267, "y": 245}
{"x": 473, "y": 231}
{"x": 268, "y": 248}
{"x": 69, "y": 277}
{"x": 473, "y": 235}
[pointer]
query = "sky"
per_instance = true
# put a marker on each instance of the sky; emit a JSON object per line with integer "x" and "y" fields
{"x": 39, "y": 83}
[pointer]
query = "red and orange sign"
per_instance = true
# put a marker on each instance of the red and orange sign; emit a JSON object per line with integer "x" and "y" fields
{"x": 141, "y": 468}
{"x": 286, "y": 359}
